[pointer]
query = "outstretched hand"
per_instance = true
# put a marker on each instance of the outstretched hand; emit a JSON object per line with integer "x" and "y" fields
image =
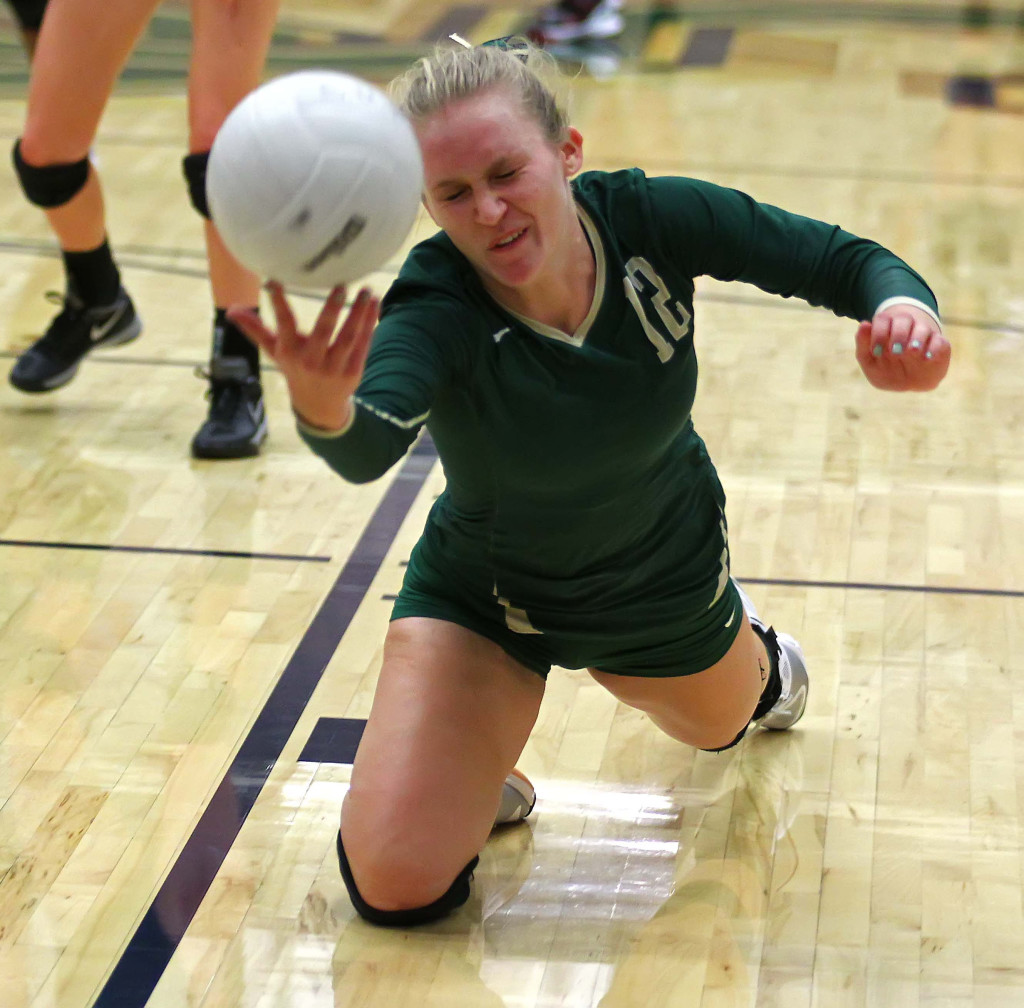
{"x": 323, "y": 368}
{"x": 902, "y": 349}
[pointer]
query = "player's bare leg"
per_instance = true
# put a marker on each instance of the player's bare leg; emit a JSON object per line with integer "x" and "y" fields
{"x": 79, "y": 53}
{"x": 450, "y": 717}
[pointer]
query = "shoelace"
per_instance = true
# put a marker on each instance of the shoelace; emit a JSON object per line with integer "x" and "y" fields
{"x": 64, "y": 321}
{"x": 225, "y": 397}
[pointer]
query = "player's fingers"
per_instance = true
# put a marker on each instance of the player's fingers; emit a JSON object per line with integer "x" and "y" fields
{"x": 350, "y": 349}
{"x": 899, "y": 335}
{"x": 357, "y": 359}
{"x": 937, "y": 356}
{"x": 327, "y": 320}
{"x": 863, "y": 344}
{"x": 252, "y": 325}
{"x": 287, "y": 331}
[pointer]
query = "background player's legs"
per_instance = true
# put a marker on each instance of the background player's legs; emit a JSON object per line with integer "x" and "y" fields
{"x": 709, "y": 709}
{"x": 80, "y": 51}
{"x": 229, "y": 50}
{"x": 450, "y": 717}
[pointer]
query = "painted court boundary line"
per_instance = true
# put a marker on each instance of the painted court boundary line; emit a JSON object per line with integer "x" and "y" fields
{"x": 151, "y": 947}
{"x": 164, "y": 550}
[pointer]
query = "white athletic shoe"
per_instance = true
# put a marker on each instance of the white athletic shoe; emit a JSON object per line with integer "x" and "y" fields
{"x": 792, "y": 702}
{"x": 518, "y": 797}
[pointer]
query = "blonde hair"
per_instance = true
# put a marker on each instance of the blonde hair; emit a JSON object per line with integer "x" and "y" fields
{"x": 455, "y": 72}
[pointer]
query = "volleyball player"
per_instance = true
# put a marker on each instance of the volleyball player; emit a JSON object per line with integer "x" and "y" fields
{"x": 545, "y": 337}
{"x": 80, "y": 52}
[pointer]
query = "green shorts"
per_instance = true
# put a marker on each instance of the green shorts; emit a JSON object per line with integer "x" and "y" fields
{"x": 684, "y": 634}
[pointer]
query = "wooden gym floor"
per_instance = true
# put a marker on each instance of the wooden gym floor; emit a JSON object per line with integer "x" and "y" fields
{"x": 187, "y": 650}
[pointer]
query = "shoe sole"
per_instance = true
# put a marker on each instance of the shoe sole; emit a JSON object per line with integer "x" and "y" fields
{"x": 62, "y": 378}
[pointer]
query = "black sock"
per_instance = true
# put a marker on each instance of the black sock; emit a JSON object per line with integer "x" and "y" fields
{"x": 93, "y": 275}
{"x": 230, "y": 341}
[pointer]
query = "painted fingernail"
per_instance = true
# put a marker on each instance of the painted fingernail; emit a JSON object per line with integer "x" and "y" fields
{"x": 877, "y": 350}
{"x": 928, "y": 355}
{"x": 915, "y": 344}
{"x": 897, "y": 348}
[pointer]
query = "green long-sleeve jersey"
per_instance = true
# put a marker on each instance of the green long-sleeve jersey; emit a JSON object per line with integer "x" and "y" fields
{"x": 571, "y": 462}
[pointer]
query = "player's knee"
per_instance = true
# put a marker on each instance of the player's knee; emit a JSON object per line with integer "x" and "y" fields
{"x": 735, "y": 740}
{"x": 49, "y": 185}
{"x": 402, "y": 896}
{"x": 194, "y": 167}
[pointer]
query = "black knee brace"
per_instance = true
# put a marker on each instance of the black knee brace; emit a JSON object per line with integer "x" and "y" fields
{"x": 194, "y": 167}
{"x": 456, "y": 895}
{"x": 51, "y": 185}
{"x": 772, "y": 687}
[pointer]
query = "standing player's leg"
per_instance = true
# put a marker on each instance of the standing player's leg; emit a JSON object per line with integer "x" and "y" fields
{"x": 229, "y": 50}
{"x": 80, "y": 51}
{"x": 451, "y": 714}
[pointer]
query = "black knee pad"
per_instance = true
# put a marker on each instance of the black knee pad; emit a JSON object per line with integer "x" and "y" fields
{"x": 456, "y": 895}
{"x": 734, "y": 742}
{"x": 51, "y": 185}
{"x": 194, "y": 167}
{"x": 29, "y": 13}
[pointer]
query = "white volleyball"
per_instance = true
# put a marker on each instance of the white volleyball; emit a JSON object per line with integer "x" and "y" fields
{"x": 314, "y": 179}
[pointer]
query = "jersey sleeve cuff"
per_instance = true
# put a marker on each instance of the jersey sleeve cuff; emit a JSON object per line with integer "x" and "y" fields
{"x": 927, "y": 309}
{"x": 324, "y": 432}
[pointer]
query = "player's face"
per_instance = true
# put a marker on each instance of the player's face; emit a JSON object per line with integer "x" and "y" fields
{"x": 498, "y": 187}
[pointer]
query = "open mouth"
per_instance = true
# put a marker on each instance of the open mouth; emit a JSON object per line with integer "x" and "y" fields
{"x": 509, "y": 241}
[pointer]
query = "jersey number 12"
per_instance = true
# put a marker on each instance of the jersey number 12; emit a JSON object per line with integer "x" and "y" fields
{"x": 644, "y": 285}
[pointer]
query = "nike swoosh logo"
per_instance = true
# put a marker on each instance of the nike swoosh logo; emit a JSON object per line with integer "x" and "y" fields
{"x": 101, "y": 332}
{"x": 728, "y": 622}
{"x": 797, "y": 698}
{"x": 500, "y": 333}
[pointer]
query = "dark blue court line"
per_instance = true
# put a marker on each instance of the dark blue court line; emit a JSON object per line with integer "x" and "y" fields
{"x": 150, "y": 949}
{"x": 708, "y": 47}
{"x": 333, "y": 740}
{"x": 881, "y": 587}
{"x": 164, "y": 550}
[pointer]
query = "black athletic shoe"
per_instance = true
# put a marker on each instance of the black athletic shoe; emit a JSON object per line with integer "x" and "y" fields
{"x": 76, "y": 330}
{"x": 237, "y": 424}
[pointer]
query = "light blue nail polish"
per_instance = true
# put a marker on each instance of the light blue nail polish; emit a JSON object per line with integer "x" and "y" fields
{"x": 877, "y": 350}
{"x": 897, "y": 348}
{"x": 928, "y": 355}
{"x": 915, "y": 344}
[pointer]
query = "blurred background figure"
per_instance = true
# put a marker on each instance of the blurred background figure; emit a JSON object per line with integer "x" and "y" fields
{"x": 576, "y": 20}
